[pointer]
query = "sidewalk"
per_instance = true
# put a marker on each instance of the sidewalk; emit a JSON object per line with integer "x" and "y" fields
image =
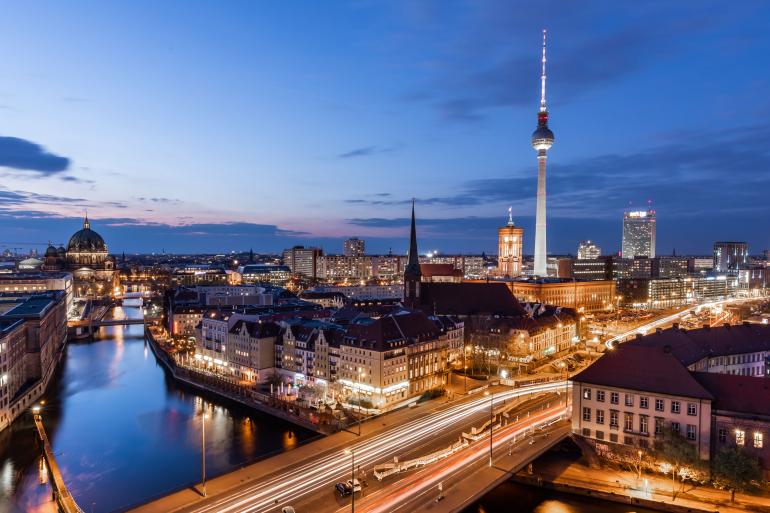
{"x": 578, "y": 478}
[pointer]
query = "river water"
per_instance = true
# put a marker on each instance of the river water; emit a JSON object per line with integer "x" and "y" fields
{"x": 124, "y": 433}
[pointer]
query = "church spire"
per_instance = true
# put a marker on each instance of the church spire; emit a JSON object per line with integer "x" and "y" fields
{"x": 86, "y": 223}
{"x": 413, "y": 261}
{"x": 412, "y": 273}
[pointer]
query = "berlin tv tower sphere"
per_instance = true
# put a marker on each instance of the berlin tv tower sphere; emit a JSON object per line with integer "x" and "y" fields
{"x": 542, "y": 137}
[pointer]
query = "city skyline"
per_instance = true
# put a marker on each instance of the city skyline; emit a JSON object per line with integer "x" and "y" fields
{"x": 388, "y": 118}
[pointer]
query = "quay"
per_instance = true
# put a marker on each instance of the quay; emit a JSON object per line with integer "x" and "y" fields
{"x": 197, "y": 380}
{"x": 61, "y": 494}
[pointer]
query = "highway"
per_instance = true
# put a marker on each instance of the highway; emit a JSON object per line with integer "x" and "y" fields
{"x": 316, "y": 477}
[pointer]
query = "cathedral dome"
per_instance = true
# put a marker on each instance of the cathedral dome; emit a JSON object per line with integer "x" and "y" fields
{"x": 51, "y": 251}
{"x": 86, "y": 240}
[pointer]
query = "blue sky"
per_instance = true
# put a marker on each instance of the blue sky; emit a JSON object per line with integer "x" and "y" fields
{"x": 203, "y": 126}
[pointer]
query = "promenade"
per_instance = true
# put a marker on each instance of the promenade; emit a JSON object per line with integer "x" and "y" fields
{"x": 651, "y": 491}
{"x": 63, "y": 498}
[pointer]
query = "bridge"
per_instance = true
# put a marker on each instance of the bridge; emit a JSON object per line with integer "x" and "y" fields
{"x": 429, "y": 439}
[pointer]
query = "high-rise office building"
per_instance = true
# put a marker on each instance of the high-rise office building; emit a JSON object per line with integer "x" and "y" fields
{"x": 587, "y": 250}
{"x": 353, "y": 247}
{"x": 304, "y": 261}
{"x": 730, "y": 256}
{"x": 542, "y": 140}
{"x": 509, "y": 248}
{"x": 639, "y": 234}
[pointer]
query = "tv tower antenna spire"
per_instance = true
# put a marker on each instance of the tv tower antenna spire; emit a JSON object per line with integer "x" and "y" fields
{"x": 542, "y": 78}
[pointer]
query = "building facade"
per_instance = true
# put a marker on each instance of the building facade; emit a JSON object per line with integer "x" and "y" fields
{"x": 510, "y": 243}
{"x": 354, "y": 247}
{"x": 304, "y": 261}
{"x": 730, "y": 256}
{"x": 588, "y": 250}
{"x": 639, "y": 227}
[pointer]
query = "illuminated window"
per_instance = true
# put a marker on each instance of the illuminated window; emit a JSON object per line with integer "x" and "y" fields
{"x": 740, "y": 437}
{"x": 758, "y": 440}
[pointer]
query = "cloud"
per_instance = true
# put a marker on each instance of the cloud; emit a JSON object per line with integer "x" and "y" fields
{"x": 487, "y": 56}
{"x": 701, "y": 163}
{"x": 16, "y": 153}
{"x": 161, "y": 200}
{"x": 366, "y": 151}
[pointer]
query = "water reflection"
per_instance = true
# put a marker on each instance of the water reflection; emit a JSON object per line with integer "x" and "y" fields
{"x": 114, "y": 417}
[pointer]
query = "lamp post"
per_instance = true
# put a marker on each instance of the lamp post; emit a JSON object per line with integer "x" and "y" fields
{"x": 491, "y": 395}
{"x": 203, "y": 451}
{"x": 639, "y": 468}
{"x": 352, "y": 453}
{"x": 465, "y": 369}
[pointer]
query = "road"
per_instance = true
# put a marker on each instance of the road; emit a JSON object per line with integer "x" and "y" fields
{"x": 670, "y": 319}
{"x": 419, "y": 489}
{"x": 314, "y": 480}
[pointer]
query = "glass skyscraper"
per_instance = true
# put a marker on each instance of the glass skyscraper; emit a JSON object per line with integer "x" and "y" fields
{"x": 639, "y": 234}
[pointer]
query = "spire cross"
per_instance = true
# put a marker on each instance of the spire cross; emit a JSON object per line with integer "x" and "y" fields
{"x": 510, "y": 216}
{"x": 542, "y": 79}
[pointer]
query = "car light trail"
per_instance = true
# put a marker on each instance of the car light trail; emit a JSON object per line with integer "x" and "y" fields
{"x": 290, "y": 485}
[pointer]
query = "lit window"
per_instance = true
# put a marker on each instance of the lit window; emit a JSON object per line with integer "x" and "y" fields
{"x": 740, "y": 437}
{"x": 758, "y": 442}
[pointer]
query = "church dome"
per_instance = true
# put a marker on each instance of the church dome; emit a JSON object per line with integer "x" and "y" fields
{"x": 86, "y": 240}
{"x": 51, "y": 251}
{"x": 61, "y": 251}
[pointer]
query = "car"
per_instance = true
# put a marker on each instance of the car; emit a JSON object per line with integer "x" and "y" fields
{"x": 353, "y": 485}
{"x": 342, "y": 489}
{"x": 288, "y": 509}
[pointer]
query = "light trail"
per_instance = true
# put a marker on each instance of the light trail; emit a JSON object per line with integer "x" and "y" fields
{"x": 290, "y": 485}
{"x": 417, "y": 484}
{"x": 644, "y": 328}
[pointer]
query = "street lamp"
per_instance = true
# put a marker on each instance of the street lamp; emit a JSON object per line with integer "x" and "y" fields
{"x": 491, "y": 395}
{"x": 203, "y": 451}
{"x": 352, "y": 453}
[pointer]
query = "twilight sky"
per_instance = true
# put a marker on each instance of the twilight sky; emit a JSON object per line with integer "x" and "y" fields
{"x": 217, "y": 126}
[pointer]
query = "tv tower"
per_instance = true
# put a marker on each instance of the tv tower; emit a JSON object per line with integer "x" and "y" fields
{"x": 542, "y": 140}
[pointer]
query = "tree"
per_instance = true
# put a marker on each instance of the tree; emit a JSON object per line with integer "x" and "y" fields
{"x": 681, "y": 455}
{"x": 735, "y": 469}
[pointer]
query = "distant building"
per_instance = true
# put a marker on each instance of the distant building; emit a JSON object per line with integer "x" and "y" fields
{"x": 672, "y": 267}
{"x": 587, "y": 250}
{"x": 353, "y": 247}
{"x": 276, "y": 275}
{"x": 592, "y": 270}
{"x": 440, "y": 272}
{"x": 730, "y": 256}
{"x": 639, "y": 234}
{"x": 658, "y": 293}
{"x": 304, "y": 261}
{"x": 200, "y": 274}
{"x": 25, "y": 283}
{"x": 509, "y": 249}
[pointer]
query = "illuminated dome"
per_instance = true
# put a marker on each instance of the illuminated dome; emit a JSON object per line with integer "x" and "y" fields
{"x": 86, "y": 240}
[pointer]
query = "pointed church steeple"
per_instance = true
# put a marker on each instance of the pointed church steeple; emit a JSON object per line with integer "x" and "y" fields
{"x": 86, "y": 223}
{"x": 412, "y": 273}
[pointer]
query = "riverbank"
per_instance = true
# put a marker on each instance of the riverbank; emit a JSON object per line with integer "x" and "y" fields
{"x": 652, "y": 491}
{"x": 209, "y": 384}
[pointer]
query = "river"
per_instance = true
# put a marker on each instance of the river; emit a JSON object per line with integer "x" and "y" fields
{"x": 123, "y": 432}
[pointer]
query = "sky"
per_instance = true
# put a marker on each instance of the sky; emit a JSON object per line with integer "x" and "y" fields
{"x": 218, "y": 126}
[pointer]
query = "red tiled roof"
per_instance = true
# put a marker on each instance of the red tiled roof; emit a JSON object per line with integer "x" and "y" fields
{"x": 646, "y": 369}
{"x": 739, "y": 394}
{"x": 428, "y": 270}
{"x": 469, "y": 298}
{"x": 690, "y": 346}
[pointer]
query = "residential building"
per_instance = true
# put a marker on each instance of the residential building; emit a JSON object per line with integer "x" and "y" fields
{"x": 353, "y": 247}
{"x": 582, "y": 296}
{"x": 39, "y": 282}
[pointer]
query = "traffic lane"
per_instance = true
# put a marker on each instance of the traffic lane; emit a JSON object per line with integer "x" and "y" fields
{"x": 411, "y": 492}
{"x": 320, "y": 501}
